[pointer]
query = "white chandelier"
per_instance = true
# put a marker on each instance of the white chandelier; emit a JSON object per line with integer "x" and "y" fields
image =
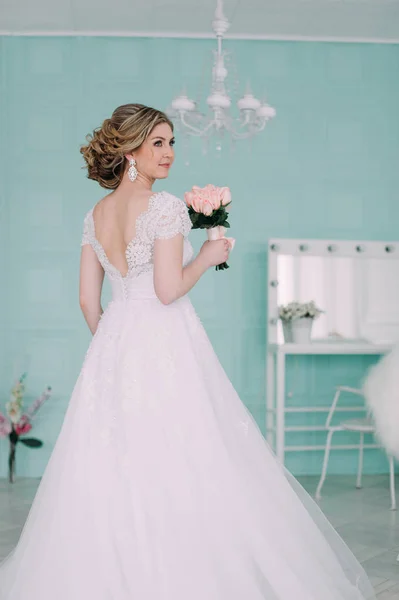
{"x": 253, "y": 114}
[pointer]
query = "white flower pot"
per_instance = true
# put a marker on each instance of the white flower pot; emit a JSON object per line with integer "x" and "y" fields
{"x": 287, "y": 331}
{"x": 301, "y": 330}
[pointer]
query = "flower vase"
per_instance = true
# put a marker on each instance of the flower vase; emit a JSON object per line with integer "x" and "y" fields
{"x": 11, "y": 457}
{"x": 301, "y": 330}
{"x": 287, "y": 331}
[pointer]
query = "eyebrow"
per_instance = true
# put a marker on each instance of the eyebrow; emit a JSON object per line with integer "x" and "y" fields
{"x": 159, "y": 137}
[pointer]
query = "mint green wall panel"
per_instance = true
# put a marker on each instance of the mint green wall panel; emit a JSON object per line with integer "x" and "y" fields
{"x": 327, "y": 166}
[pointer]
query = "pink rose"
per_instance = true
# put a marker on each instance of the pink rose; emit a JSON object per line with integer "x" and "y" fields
{"x": 225, "y": 195}
{"x": 212, "y": 193}
{"x": 189, "y": 198}
{"x": 208, "y": 199}
{"x": 195, "y": 200}
{"x": 23, "y": 426}
{"x": 198, "y": 201}
{"x": 207, "y": 208}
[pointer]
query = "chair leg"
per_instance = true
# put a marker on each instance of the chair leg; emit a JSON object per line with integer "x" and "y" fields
{"x": 325, "y": 464}
{"x": 392, "y": 482}
{"x": 360, "y": 464}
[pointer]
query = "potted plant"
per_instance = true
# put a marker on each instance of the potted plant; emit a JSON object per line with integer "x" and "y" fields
{"x": 297, "y": 320}
{"x": 18, "y": 423}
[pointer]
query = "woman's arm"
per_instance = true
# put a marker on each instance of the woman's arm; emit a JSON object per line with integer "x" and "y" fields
{"x": 171, "y": 279}
{"x": 91, "y": 282}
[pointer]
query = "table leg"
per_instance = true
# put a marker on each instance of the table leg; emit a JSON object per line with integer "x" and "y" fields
{"x": 280, "y": 405}
{"x": 270, "y": 399}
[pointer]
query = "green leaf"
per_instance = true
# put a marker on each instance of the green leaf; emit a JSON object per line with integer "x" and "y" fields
{"x": 31, "y": 442}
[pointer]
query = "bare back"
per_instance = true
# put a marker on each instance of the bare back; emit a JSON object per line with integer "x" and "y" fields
{"x": 120, "y": 238}
{"x": 115, "y": 222}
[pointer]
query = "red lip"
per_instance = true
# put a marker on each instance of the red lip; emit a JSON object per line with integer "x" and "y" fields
{"x": 167, "y": 165}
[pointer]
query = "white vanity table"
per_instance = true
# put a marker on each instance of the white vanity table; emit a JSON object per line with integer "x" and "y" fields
{"x": 357, "y": 284}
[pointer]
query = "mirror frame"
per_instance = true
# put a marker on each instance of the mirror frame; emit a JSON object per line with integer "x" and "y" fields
{"x": 312, "y": 247}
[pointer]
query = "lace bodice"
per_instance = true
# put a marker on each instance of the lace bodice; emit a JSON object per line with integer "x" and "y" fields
{"x": 165, "y": 217}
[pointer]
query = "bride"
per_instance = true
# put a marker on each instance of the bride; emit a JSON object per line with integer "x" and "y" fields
{"x": 161, "y": 486}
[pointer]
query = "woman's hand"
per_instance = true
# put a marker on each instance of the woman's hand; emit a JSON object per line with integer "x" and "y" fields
{"x": 215, "y": 252}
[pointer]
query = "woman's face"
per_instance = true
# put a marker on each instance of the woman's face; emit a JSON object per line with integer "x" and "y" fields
{"x": 156, "y": 155}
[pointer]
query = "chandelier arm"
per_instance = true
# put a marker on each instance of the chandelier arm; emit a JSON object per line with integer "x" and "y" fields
{"x": 246, "y": 120}
{"x": 241, "y": 136}
{"x": 195, "y": 130}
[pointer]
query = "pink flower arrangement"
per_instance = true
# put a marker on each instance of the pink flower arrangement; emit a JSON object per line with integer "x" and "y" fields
{"x": 19, "y": 423}
{"x": 207, "y": 199}
{"x": 208, "y": 208}
{"x": 23, "y": 426}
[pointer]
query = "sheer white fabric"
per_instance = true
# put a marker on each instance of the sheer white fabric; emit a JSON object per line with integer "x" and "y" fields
{"x": 161, "y": 486}
{"x": 381, "y": 390}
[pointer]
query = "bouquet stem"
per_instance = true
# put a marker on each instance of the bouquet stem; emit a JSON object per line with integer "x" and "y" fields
{"x": 217, "y": 233}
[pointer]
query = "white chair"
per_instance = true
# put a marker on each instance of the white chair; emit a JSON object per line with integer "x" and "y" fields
{"x": 361, "y": 426}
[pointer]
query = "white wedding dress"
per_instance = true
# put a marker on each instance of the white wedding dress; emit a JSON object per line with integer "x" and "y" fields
{"x": 161, "y": 486}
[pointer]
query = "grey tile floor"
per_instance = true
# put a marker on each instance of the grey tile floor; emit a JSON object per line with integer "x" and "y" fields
{"x": 361, "y": 517}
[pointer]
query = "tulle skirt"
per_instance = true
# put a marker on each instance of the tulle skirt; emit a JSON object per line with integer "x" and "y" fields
{"x": 162, "y": 487}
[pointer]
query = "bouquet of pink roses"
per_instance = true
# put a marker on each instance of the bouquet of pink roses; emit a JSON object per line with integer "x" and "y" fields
{"x": 18, "y": 422}
{"x": 207, "y": 208}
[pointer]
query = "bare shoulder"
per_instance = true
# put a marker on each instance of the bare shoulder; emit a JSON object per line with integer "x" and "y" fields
{"x": 104, "y": 204}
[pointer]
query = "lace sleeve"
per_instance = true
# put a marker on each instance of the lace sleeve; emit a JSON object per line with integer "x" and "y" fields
{"x": 173, "y": 219}
{"x": 87, "y": 230}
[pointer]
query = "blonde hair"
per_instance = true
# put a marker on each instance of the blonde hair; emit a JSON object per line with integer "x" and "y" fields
{"x": 124, "y": 132}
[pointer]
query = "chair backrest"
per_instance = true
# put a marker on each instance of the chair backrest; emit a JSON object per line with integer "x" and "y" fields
{"x": 333, "y": 408}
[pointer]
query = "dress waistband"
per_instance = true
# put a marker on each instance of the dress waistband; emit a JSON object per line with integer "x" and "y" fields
{"x": 134, "y": 288}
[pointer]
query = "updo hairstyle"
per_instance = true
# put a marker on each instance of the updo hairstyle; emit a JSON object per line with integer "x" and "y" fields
{"x": 124, "y": 132}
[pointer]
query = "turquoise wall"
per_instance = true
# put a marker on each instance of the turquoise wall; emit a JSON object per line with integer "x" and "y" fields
{"x": 326, "y": 167}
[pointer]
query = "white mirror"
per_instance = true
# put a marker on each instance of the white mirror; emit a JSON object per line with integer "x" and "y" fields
{"x": 356, "y": 285}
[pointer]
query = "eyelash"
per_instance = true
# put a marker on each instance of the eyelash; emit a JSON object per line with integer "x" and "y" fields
{"x": 172, "y": 143}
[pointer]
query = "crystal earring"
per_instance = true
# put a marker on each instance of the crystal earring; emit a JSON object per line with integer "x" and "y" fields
{"x": 132, "y": 172}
